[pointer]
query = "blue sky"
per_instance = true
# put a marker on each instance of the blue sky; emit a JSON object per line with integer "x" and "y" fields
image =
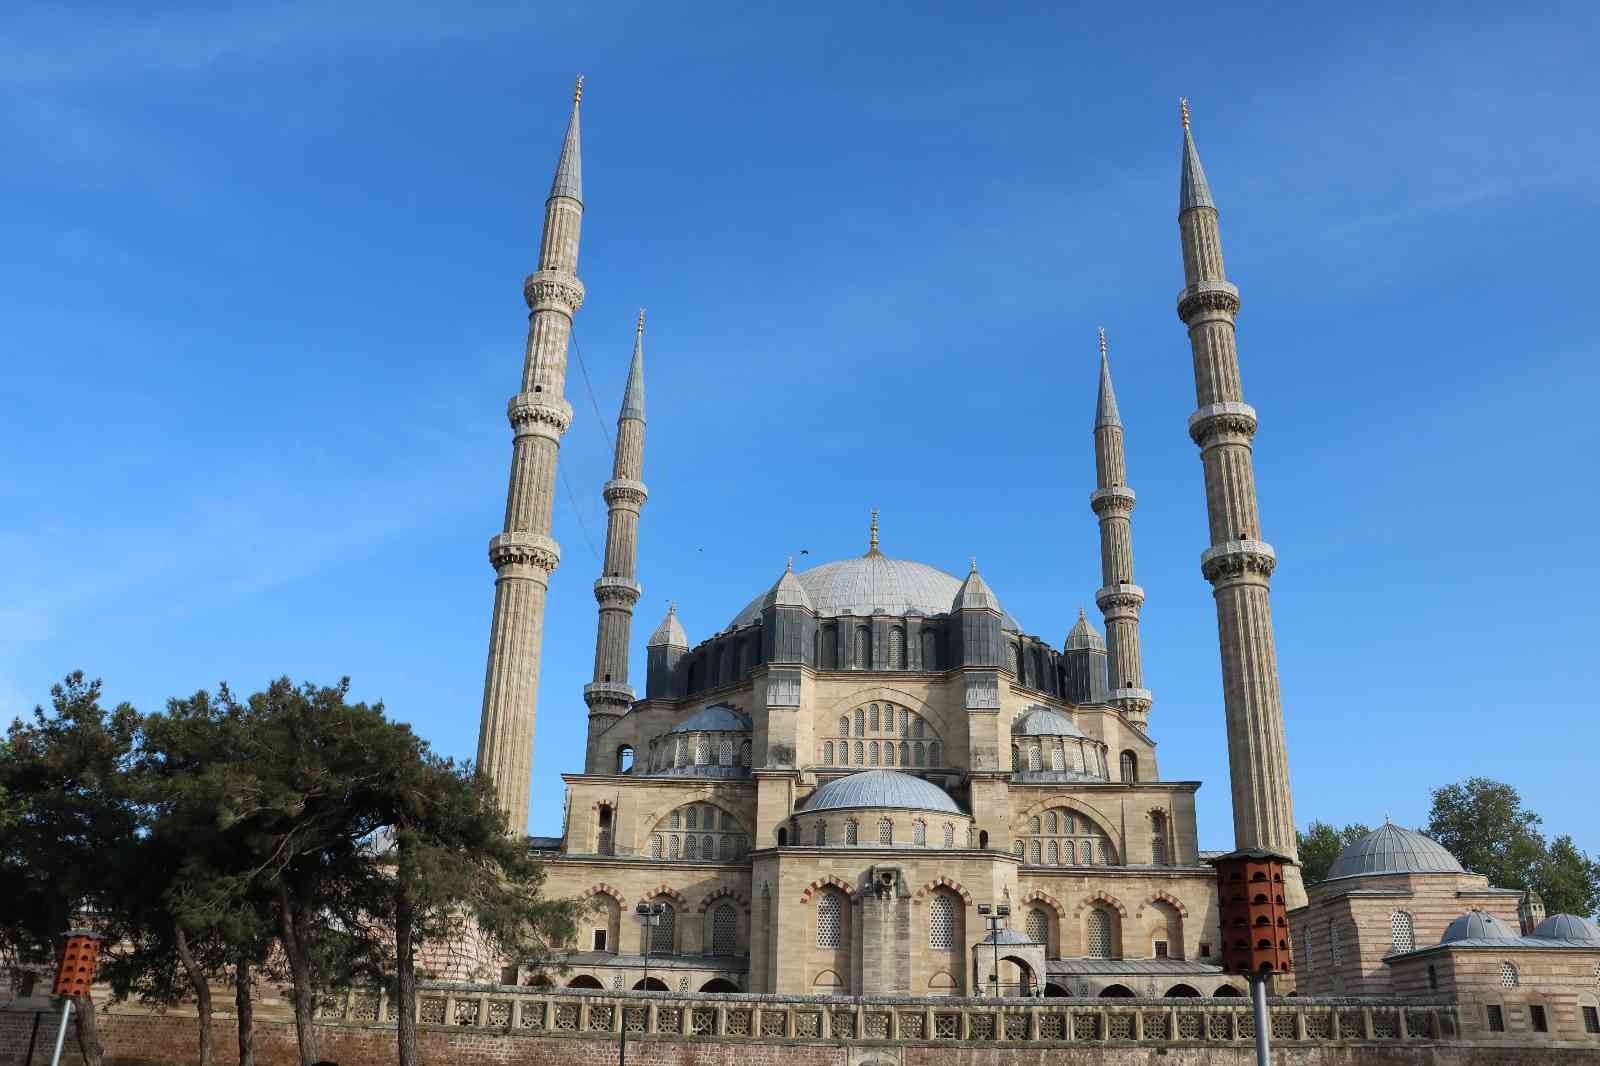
{"x": 263, "y": 313}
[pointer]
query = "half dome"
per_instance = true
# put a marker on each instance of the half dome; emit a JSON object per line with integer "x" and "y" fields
{"x": 1568, "y": 927}
{"x": 1041, "y": 721}
{"x": 1392, "y": 850}
{"x": 869, "y": 584}
{"x": 1477, "y": 925}
{"x": 881, "y": 788}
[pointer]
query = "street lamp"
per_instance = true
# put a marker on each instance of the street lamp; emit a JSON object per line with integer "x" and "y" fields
{"x": 649, "y": 915}
{"x": 996, "y": 916}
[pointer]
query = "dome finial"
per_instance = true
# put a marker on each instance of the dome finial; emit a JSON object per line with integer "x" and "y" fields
{"x": 1102, "y": 342}
{"x": 639, "y": 329}
{"x": 790, "y": 567}
{"x": 974, "y": 560}
{"x": 577, "y": 92}
{"x": 1183, "y": 108}
{"x": 1083, "y": 616}
{"x": 872, "y": 541}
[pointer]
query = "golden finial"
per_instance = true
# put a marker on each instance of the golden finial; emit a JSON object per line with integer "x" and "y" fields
{"x": 577, "y": 92}
{"x": 1102, "y": 342}
{"x": 640, "y": 327}
{"x": 974, "y": 559}
{"x": 790, "y": 567}
{"x": 672, "y": 606}
{"x": 872, "y": 545}
{"x": 1183, "y": 105}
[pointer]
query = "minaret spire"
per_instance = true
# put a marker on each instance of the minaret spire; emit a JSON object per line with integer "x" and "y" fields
{"x": 524, "y": 555}
{"x": 609, "y": 695}
{"x": 1119, "y": 599}
{"x": 1238, "y": 563}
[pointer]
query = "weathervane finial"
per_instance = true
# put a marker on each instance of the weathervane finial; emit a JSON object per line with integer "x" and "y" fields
{"x": 1183, "y": 106}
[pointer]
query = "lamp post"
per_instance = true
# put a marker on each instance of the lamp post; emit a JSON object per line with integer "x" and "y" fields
{"x": 649, "y": 915}
{"x": 1255, "y": 928}
{"x": 996, "y": 916}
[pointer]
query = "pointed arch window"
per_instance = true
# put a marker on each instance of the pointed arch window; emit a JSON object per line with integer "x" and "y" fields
{"x": 844, "y": 725}
{"x": 1038, "y": 926}
{"x": 873, "y": 722}
{"x": 942, "y": 923}
{"x": 1130, "y": 768}
{"x": 861, "y": 751}
{"x": 830, "y": 920}
{"x": 822, "y": 834}
{"x": 827, "y": 752}
{"x": 1158, "y": 838}
{"x": 725, "y": 752}
{"x": 888, "y": 753}
{"x": 861, "y": 721}
{"x": 655, "y": 846}
{"x": 872, "y": 753}
{"x": 933, "y": 754}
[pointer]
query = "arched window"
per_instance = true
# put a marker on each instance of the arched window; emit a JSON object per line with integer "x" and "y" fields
{"x": 873, "y": 722}
{"x": 673, "y": 852}
{"x": 930, "y": 651}
{"x": 1034, "y": 824}
{"x": 624, "y": 759}
{"x": 861, "y": 721}
{"x": 1130, "y": 768}
{"x": 1057, "y": 761}
{"x": 604, "y": 832}
{"x": 921, "y": 751}
{"x": 844, "y": 725}
{"x": 1050, "y": 821}
{"x": 827, "y": 752}
{"x": 919, "y": 833}
{"x": 1508, "y": 976}
{"x": 1033, "y": 757}
{"x": 691, "y": 847}
{"x": 724, "y": 930}
{"x": 1052, "y": 853}
{"x": 691, "y": 818}
{"x": 1013, "y": 661}
{"x": 897, "y": 648}
{"x": 664, "y": 936}
{"x": 851, "y": 833}
{"x": 830, "y": 920}
{"x": 905, "y": 754}
{"x": 1034, "y": 853}
{"x": 1335, "y": 948}
{"x": 655, "y": 846}
{"x": 1016, "y": 758}
{"x": 725, "y": 752}
{"x": 829, "y": 639}
{"x": 919, "y": 728}
{"x": 885, "y": 831}
{"x": 1071, "y": 856}
{"x": 708, "y": 847}
{"x": 888, "y": 753}
{"x": 872, "y": 753}
{"x": 933, "y": 754}
{"x": 1158, "y": 838}
{"x": 861, "y": 649}
{"x": 744, "y": 754}
{"x": 942, "y": 922}
{"x": 702, "y": 749}
{"x": 1038, "y": 926}
{"x": 949, "y": 835}
{"x": 1401, "y": 938}
{"x": 1098, "y": 934}
{"x": 861, "y": 758}
{"x": 822, "y": 833}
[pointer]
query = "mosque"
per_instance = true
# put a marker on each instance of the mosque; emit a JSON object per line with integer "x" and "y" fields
{"x": 872, "y": 778}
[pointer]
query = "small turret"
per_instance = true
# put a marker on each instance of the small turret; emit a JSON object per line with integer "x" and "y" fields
{"x": 665, "y": 651}
{"x": 789, "y": 624}
{"x": 1084, "y": 658}
{"x": 1530, "y": 912}
{"x": 976, "y": 629}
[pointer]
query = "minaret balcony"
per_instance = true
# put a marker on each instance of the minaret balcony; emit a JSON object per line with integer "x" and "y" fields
{"x": 1238, "y": 558}
{"x": 623, "y": 492}
{"x": 1119, "y": 601}
{"x": 1208, "y": 297}
{"x": 608, "y": 692}
{"x": 1116, "y": 500}
{"x": 1229, "y": 418}
{"x": 617, "y": 590}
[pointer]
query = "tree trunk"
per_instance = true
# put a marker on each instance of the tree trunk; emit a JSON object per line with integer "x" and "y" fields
{"x": 202, "y": 994}
{"x": 245, "y": 1008}
{"x": 291, "y": 928}
{"x": 88, "y": 1031}
{"x": 406, "y": 964}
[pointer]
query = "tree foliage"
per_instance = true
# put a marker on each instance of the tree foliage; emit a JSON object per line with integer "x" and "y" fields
{"x": 1320, "y": 844}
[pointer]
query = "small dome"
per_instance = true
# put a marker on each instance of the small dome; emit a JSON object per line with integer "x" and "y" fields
{"x": 1007, "y": 936}
{"x": 881, "y": 788}
{"x": 1477, "y": 925}
{"x": 1392, "y": 850}
{"x": 718, "y": 718}
{"x": 1568, "y": 927}
{"x": 1041, "y": 721}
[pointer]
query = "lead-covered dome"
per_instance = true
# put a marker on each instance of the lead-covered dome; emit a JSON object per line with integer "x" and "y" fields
{"x": 1568, "y": 927}
{"x": 1392, "y": 850}
{"x": 881, "y": 788}
{"x": 873, "y": 583}
{"x": 1042, "y": 721}
{"x": 1476, "y": 925}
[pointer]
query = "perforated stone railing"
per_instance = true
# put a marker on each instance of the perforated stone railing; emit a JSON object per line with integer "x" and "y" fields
{"x": 889, "y": 1019}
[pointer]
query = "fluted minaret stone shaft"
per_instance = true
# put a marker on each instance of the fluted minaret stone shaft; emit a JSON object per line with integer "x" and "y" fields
{"x": 609, "y": 695}
{"x": 1238, "y": 563}
{"x": 524, "y": 555}
{"x": 1119, "y": 598}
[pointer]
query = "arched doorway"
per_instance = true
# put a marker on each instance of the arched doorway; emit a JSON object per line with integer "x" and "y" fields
{"x": 650, "y": 984}
{"x": 1227, "y": 990}
{"x": 583, "y": 980}
{"x": 1017, "y": 978}
{"x": 719, "y": 984}
{"x": 1182, "y": 991}
{"x": 1116, "y": 992}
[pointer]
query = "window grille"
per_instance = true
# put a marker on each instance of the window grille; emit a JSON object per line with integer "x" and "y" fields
{"x": 905, "y": 722}
{"x": 850, "y": 832}
{"x": 1597, "y": 973}
{"x": 692, "y": 818}
{"x": 888, "y": 753}
{"x": 683, "y": 753}
{"x": 872, "y": 719}
{"x": 1158, "y": 848}
{"x": 1033, "y": 758}
{"x": 1400, "y": 935}
{"x": 822, "y": 834}
{"x": 1497, "y": 1019}
{"x": 724, "y": 931}
{"x": 905, "y": 754}
{"x": 655, "y": 846}
{"x": 861, "y": 721}
{"x": 861, "y": 750}
{"x": 1072, "y": 854}
{"x": 1050, "y": 821}
{"x": 1017, "y": 848}
{"x": 662, "y": 936}
{"x": 919, "y": 728}
{"x": 829, "y": 933}
{"x": 1591, "y": 1019}
{"x": 1038, "y": 927}
{"x": 1011, "y": 657}
{"x": 942, "y": 923}
{"x": 673, "y": 854}
{"x": 930, "y": 652}
{"x": 1034, "y": 824}
{"x": 1053, "y": 854}
{"x": 933, "y": 754}
{"x": 861, "y": 654}
{"x": 1161, "y": 949}
{"x": 1077, "y": 758}
{"x": 1508, "y": 976}
{"x": 1034, "y": 853}
{"x": 897, "y": 648}
{"x": 706, "y": 847}
{"x": 744, "y": 754}
{"x": 676, "y": 819}
{"x": 1057, "y": 763}
{"x": 921, "y": 754}
{"x": 702, "y": 750}
{"x": 1069, "y": 824}
{"x": 725, "y": 848}
{"x": 691, "y": 847}
{"x": 919, "y": 833}
{"x": 725, "y": 753}
{"x": 949, "y": 835}
{"x": 872, "y": 753}
{"x": 1104, "y": 852}
{"x": 885, "y": 831}
{"x": 1099, "y": 934}
{"x": 844, "y": 726}
{"x": 827, "y": 752}
{"x": 1335, "y": 948}
{"x": 1130, "y": 767}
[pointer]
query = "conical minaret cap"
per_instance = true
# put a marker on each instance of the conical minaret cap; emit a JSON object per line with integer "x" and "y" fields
{"x": 1192, "y": 188}
{"x": 569, "y": 168}
{"x": 669, "y": 634}
{"x": 1105, "y": 408}
{"x": 975, "y": 593}
{"x": 788, "y": 592}
{"x": 633, "y": 396}
{"x": 1084, "y": 636}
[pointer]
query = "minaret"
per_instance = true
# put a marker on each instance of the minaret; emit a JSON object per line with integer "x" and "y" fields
{"x": 1119, "y": 599}
{"x": 609, "y": 695}
{"x": 1239, "y": 563}
{"x": 525, "y": 555}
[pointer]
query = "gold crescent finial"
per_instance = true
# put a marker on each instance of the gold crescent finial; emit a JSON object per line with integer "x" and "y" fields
{"x": 577, "y": 91}
{"x": 872, "y": 545}
{"x": 1102, "y": 342}
{"x": 640, "y": 327}
{"x": 1183, "y": 106}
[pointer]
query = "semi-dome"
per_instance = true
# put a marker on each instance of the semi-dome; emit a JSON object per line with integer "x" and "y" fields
{"x": 1392, "y": 850}
{"x": 1568, "y": 927}
{"x": 1041, "y": 721}
{"x": 1477, "y": 925}
{"x": 881, "y": 788}
{"x": 718, "y": 718}
{"x": 872, "y": 583}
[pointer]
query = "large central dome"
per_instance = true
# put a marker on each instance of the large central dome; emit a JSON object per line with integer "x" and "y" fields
{"x": 873, "y": 582}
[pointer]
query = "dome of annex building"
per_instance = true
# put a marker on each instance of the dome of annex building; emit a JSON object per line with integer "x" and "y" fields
{"x": 718, "y": 718}
{"x": 1042, "y": 721}
{"x": 873, "y": 584}
{"x": 1568, "y": 927}
{"x": 880, "y": 788}
{"x": 1477, "y": 925}
{"x": 1392, "y": 850}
